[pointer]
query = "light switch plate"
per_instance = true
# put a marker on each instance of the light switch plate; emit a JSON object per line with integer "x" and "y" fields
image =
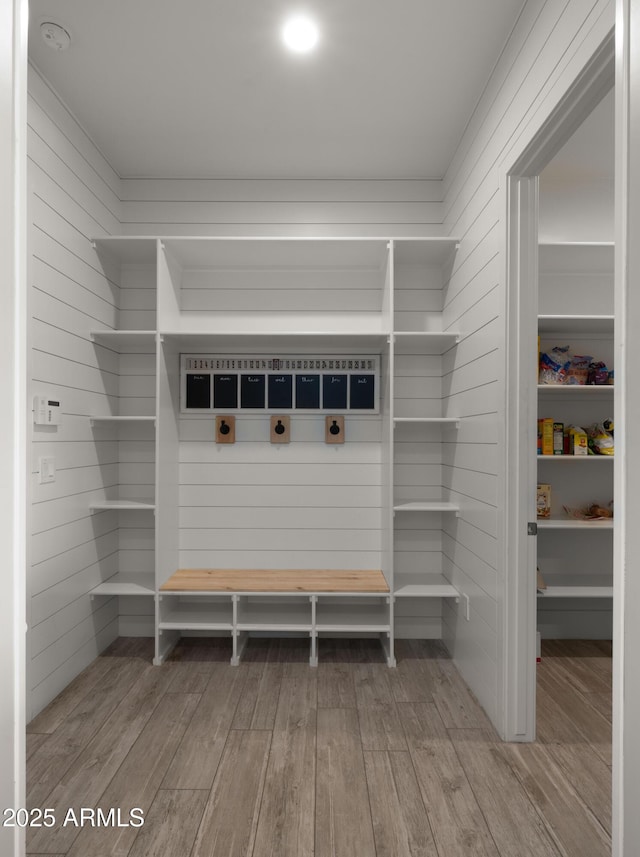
{"x": 47, "y": 469}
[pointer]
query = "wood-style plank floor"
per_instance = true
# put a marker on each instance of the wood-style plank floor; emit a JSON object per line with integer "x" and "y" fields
{"x": 276, "y": 759}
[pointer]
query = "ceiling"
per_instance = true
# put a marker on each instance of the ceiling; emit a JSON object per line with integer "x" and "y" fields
{"x": 203, "y": 88}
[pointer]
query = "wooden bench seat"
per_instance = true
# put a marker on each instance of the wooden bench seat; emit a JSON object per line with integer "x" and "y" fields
{"x": 323, "y": 580}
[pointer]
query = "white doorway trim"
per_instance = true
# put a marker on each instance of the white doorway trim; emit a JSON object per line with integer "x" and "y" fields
{"x": 13, "y": 427}
{"x": 518, "y": 558}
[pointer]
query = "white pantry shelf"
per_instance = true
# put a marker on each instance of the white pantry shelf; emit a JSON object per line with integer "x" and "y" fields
{"x": 124, "y": 420}
{"x": 574, "y": 524}
{"x": 120, "y": 505}
{"x": 126, "y": 584}
{"x": 575, "y": 389}
{"x": 575, "y": 324}
{"x": 432, "y": 586}
{"x": 425, "y": 341}
{"x": 428, "y": 420}
{"x": 576, "y": 592}
{"x": 427, "y": 506}
{"x": 125, "y": 341}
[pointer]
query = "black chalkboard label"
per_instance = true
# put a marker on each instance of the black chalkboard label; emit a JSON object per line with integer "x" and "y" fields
{"x": 198, "y": 391}
{"x": 334, "y": 392}
{"x": 252, "y": 390}
{"x": 280, "y": 391}
{"x": 307, "y": 391}
{"x": 225, "y": 391}
{"x": 362, "y": 392}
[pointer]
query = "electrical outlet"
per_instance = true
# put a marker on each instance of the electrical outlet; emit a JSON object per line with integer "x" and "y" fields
{"x": 47, "y": 469}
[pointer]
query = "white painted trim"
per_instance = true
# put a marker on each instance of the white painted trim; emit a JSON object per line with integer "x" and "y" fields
{"x": 519, "y": 549}
{"x": 626, "y": 539}
{"x": 13, "y": 428}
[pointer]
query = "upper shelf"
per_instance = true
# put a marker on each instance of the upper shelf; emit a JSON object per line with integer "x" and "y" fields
{"x": 425, "y": 341}
{"x": 570, "y": 257}
{"x": 259, "y": 342}
{"x": 576, "y": 389}
{"x": 576, "y": 324}
{"x": 130, "y": 250}
{"x": 574, "y": 524}
{"x": 125, "y": 341}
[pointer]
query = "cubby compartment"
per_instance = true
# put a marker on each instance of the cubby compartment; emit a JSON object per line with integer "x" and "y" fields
{"x": 189, "y": 612}
{"x": 276, "y": 613}
{"x": 258, "y": 286}
{"x": 421, "y": 423}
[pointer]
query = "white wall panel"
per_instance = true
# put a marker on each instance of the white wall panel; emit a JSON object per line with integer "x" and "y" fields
{"x": 549, "y": 46}
{"x": 266, "y": 207}
{"x": 74, "y": 196}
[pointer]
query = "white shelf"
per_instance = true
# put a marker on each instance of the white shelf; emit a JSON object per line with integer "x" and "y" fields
{"x": 427, "y": 506}
{"x": 575, "y": 389}
{"x": 125, "y": 341}
{"x": 574, "y": 524}
{"x": 257, "y": 341}
{"x": 424, "y": 251}
{"x": 126, "y": 584}
{"x": 352, "y": 617}
{"x": 429, "y": 420}
{"x": 196, "y": 616}
{"x": 120, "y": 505}
{"x": 574, "y": 458}
{"x": 574, "y": 257}
{"x": 118, "y": 420}
{"x": 433, "y": 586}
{"x": 425, "y": 341}
{"x": 575, "y": 324}
{"x": 576, "y": 592}
{"x": 274, "y": 616}
{"x": 133, "y": 250}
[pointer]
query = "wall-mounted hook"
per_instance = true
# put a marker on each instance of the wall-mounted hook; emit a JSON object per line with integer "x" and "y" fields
{"x": 225, "y": 429}
{"x": 334, "y": 429}
{"x": 280, "y": 429}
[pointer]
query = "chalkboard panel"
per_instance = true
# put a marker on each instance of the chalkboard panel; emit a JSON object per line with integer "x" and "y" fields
{"x": 198, "y": 391}
{"x": 334, "y": 392}
{"x": 225, "y": 391}
{"x": 362, "y": 390}
{"x": 252, "y": 390}
{"x": 307, "y": 391}
{"x": 280, "y": 391}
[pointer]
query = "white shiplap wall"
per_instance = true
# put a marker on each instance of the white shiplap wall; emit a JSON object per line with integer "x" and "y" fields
{"x": 550, "y": 45}
{"x": 74, "y": 195}
{"x": 304, "y": 504}
{"x": 285, "y": 207}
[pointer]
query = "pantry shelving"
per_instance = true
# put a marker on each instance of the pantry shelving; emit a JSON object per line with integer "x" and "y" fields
{"x": 183, "y": 295}
{"x": 574, "y": 555}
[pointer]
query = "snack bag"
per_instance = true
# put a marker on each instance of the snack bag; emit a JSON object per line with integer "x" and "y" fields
{"x": 578, "y": 371}
{"x": 598, "y": 374}
{"x": 600, "y": 441}
{"x": 554, "y": 366}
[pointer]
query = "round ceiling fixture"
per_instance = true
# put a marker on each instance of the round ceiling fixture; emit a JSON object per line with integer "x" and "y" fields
{"x": 300, "y": 34}
{"x": 55, "y": 36}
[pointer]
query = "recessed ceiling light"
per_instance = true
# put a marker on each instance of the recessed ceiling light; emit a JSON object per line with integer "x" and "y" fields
{"x": 55, "y": 35}
{"x": 300, "y": 34}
